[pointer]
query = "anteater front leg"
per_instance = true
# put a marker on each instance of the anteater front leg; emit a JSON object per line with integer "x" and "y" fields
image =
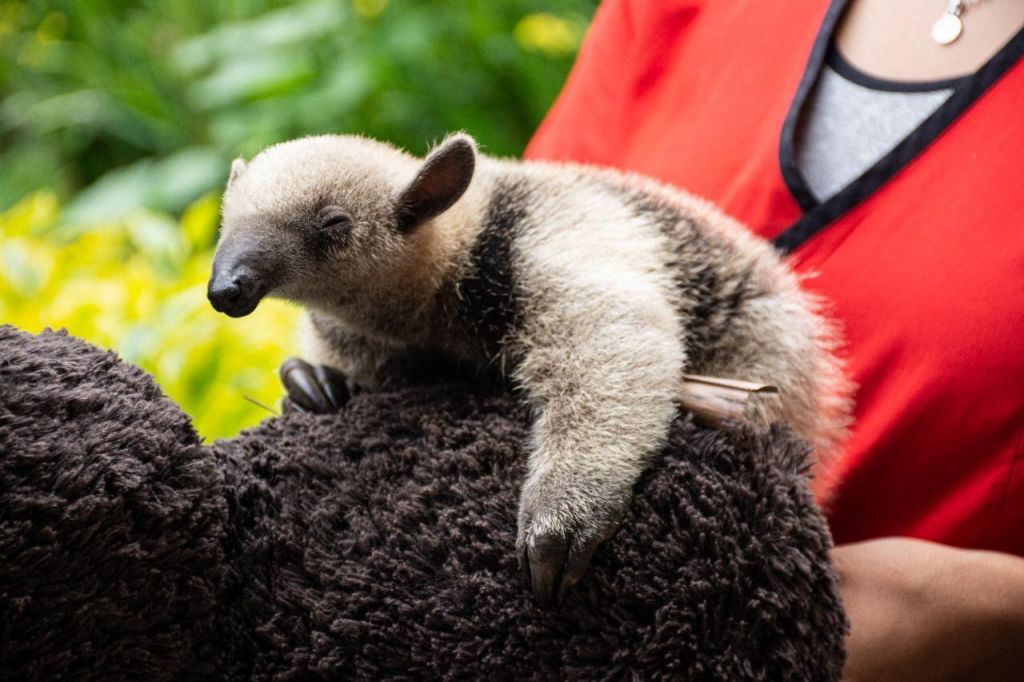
{"x": 603, "y": 386}
{"x": 336, "y": 363}
{"x": 340, "y": 362}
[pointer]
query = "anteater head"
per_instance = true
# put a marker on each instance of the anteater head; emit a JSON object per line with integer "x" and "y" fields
{"x": 320, "y": 220}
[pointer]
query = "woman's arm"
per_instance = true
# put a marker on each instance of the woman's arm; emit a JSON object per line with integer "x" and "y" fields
{"x": 924, "y": 611}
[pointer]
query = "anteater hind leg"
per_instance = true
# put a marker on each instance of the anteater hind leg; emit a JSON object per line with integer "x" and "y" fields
{"x": 315, "y": 389}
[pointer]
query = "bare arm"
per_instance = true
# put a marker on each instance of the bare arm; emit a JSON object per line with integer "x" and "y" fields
{"x": 924, "y": 611}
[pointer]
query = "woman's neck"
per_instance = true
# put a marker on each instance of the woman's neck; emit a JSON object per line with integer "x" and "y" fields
{"x": 891, "y": 39}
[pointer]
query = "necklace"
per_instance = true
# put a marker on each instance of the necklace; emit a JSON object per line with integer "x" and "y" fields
{"x": 949, "y": 26}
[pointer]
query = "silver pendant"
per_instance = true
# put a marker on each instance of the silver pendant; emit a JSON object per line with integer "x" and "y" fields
{"x": 947, "y": 29}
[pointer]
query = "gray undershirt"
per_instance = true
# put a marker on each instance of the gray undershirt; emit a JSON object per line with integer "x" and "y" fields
{"x": 846, "y": 127}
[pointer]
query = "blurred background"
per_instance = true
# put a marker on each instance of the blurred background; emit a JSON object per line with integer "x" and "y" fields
{"x": 118, "y": 122}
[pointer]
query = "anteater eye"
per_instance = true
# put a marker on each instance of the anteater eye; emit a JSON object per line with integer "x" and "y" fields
{"x": 333, "y": 216}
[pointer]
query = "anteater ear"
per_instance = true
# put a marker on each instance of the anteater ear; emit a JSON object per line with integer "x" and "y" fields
{"x": 442, "y": 179}
{"x": 237, "y": 168}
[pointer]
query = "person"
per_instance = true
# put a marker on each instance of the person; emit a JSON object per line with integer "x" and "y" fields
{"x": 883, "y": 150}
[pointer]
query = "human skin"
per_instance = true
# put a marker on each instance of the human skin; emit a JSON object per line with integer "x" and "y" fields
{"x": 924, "y": 611}
{"x": 892, "y": 39}
{"x": 920, "y": 610}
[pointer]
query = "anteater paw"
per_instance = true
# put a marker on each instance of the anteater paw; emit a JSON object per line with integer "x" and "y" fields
{"x": 313, "y": 389}
{"x": 559, "y": 533}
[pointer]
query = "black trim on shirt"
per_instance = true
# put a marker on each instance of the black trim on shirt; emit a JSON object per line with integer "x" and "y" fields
{"x": 819, "y": 215}
{"x": 844, "y": 68}
{"x": 791, "y": 174}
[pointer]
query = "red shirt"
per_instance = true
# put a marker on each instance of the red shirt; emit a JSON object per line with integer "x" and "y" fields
{"x": 922, "y": 258}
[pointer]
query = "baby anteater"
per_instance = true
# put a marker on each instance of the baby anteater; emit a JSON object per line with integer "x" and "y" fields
{"x": 592, "y": 291}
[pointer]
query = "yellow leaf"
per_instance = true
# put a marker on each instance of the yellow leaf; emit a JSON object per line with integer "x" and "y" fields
{"x": 547, "y": 33}
{"x": 200, "y": 221}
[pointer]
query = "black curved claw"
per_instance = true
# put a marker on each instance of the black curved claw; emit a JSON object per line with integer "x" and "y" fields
{"x": 575, "y": 566}
{"x": 524, "y": 567}
{"x": 317, "y": 390}
{"x": 553, "y": 563}
{"x": 289, "y": 406}
{"x": 334, "y": 385}
{"x": 547, "y": 554}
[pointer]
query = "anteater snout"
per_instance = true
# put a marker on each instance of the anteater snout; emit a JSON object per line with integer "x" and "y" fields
{"x": 235, "y": 292}
{"x": 237, "y": 283}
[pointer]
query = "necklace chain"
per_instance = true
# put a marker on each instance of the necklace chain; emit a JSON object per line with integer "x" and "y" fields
{"x": 959, "y": 6}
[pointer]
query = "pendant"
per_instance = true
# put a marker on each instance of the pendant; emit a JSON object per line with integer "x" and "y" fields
{"x": 947, "y": 29}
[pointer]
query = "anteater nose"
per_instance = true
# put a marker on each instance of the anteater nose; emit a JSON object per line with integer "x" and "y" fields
{"x": 233, "y": 293}
{"x": 224, "y": 295}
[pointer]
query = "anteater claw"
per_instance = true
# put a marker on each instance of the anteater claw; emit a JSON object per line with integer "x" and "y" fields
{"x": 313, "y": 389}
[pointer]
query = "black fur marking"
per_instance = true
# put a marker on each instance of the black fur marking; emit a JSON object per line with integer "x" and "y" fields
{"x": 709, "y": 305}
{"x": 656, "y": 211}
{"x": 486, "y": 299}
{"x": 429, "y": 367}
{"x": 403, "y": 367}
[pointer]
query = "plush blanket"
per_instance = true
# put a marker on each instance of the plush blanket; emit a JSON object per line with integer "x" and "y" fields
{"x": 377, "y": 543}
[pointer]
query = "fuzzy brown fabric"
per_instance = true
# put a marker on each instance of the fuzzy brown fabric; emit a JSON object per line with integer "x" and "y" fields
{"x": 377, "y": 544}
{"x": 111, "y": 517}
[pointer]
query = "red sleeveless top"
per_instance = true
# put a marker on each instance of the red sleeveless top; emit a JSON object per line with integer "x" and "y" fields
{"x": 922, "y": 257}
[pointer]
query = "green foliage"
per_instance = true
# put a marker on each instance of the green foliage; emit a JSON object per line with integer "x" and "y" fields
{"x": 118, "y": 122}
{"x": 139, "y": 286}
{"x": 155, "y": 97}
